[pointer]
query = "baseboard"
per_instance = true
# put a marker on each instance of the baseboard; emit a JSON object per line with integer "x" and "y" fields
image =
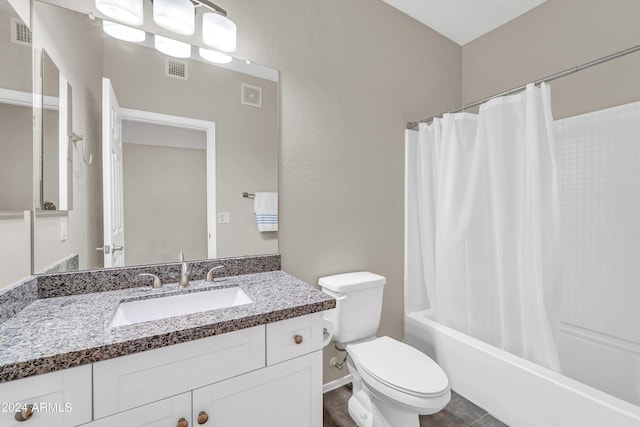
{"x": 332, "y": 385}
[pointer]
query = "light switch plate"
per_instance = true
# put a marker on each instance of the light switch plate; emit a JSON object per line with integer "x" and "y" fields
{"x": 224, "y": 217}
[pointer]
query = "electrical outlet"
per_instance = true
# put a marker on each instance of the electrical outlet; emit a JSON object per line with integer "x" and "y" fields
{"x": 63, "y": 229}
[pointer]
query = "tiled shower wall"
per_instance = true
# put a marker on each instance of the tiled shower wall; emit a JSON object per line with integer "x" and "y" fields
{"x": 598, "y": 158}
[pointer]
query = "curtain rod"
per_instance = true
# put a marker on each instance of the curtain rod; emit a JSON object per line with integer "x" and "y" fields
{"x": 414, "y": 125}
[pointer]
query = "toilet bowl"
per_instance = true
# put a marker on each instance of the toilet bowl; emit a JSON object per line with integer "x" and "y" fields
{"x": 393, "y": 383}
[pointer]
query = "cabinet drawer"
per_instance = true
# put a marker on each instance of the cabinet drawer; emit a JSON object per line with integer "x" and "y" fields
{"x": 126, "y": 382}
{"x": 60, "y": 398}
{"x": 164, "y": 413}
{"x": 281, "y": 337}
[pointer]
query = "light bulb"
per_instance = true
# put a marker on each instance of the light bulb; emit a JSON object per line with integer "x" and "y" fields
{"x": 123, "y": 32}
{"x": 172, "y": 47}
{"x": 214, "y": 56}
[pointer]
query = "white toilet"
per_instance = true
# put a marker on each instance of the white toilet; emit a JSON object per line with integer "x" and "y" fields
{"x": 393, "y": 382}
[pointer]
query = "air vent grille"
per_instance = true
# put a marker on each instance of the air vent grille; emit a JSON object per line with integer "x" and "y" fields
{"x": 251, "y": 95}
{"x": 20, "y": 33}
{"x": 176, "y": 69}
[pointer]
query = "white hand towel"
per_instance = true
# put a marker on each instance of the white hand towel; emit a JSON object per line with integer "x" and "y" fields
{"x": 265, "y": 206}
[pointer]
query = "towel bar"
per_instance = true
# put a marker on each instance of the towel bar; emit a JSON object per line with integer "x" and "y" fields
{"x": 248, "y": 195}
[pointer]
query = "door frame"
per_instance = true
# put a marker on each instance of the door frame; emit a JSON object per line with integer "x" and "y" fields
{"x": 210, "y": 131}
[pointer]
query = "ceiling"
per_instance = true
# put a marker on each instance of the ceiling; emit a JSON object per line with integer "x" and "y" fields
{"x": 464, "y": 20}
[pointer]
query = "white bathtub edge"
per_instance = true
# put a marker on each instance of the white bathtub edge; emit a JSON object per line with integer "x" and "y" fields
{"x": 514, "y": 390}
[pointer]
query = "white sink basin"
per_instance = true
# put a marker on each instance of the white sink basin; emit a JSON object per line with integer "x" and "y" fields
{"x": 132, "y": 312}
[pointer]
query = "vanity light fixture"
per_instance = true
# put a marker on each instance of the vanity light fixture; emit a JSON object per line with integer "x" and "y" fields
{"x": 129, "y": 12}
{"x": 122, "y": 32}
{"x": 172, "y": 47}
{"x": 218, "y": 31}
{"x": 214, "y": 56}
{"x": 175, "y": 15}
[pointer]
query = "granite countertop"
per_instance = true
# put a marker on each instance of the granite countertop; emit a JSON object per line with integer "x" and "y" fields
{"x": 57, "y": 333}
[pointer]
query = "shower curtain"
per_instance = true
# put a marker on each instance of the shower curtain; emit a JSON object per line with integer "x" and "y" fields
{"x": 482, "y": 224}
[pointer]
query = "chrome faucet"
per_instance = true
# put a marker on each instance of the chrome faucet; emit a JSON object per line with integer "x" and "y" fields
{"x": 184, "y": 272}
{"x": 157, "y": 283}
{"x": 210, "y": 274}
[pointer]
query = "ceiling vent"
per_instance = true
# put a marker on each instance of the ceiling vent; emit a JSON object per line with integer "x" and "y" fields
{"x": 176, "y": 69}
{"x": 20, "y": 33}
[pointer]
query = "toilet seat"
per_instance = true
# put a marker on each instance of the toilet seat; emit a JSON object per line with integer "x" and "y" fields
{"x": 398, "y": 370}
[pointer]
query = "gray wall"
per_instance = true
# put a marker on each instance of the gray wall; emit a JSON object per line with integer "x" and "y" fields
{"x": 16, "y": 151}
{"x": 18, "y": 75}
{"x": 352, "y": 74}
{"x": 165, "y": 199}
{"x": 557, "y": 35}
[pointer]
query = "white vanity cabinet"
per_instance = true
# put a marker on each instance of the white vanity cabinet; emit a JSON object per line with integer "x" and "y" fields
{"x": 225, "y": 380}
{"x": 58, "y": 399}
{"x": 282, "y": 395}
{"x": 130, "y": 381}
{"x": 166, "y": 412}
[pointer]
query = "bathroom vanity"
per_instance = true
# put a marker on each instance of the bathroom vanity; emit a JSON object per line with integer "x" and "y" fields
{"x": 257, "y": 363}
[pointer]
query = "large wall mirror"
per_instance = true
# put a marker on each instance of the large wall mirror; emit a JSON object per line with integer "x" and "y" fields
{"x": 16, "y": 141}
{"x": 159, "y": 149}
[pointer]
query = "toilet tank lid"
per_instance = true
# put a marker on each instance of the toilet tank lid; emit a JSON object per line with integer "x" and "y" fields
{"x": 352, "y": 281}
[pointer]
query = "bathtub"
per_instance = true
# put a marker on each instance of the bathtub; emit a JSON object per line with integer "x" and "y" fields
{"x": 512, "y": 389}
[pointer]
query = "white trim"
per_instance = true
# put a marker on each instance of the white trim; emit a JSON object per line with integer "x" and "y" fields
{"x": 195, "y": 124}
{"x": 63, "y": 146}
{"x": 332, "y": 385}
{"x": 16, "y": 97}
{"x": 25, "y": 99}
{"x": 600, "y": 338}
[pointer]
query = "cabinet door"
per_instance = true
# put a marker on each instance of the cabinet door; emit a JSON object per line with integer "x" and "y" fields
{"x": 282, "y": 395}
{"x": 58, "y": 399}
{"x": 130, "y": 381}
{"x": 164, "y": 413}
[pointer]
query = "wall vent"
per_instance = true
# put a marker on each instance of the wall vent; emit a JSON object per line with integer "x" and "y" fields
{"x": 176, "y": 69}
{"x": 251, "y": 95}
{"x": 20, "y": 33}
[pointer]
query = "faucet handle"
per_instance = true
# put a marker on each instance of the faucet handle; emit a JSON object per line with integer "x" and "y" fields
{"x": 157, "y": 283}
{"x": 210, "y": 277}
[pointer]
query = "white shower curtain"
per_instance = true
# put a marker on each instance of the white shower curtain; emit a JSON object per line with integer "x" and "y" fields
{"x": 482, "y": 224}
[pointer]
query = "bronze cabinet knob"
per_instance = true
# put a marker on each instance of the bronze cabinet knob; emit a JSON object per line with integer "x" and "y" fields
{"x": 183, "y": 423}
{"x": 202, "y": 417}
{"x": 25, "y": 413}
{"x": 297, "y": 339}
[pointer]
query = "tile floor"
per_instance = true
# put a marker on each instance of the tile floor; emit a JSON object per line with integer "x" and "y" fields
{"x": 458, "y": 413}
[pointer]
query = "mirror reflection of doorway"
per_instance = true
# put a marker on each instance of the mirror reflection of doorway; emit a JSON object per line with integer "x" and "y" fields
{"x": 165, "y": 192}
{"x": 159, "y": 186}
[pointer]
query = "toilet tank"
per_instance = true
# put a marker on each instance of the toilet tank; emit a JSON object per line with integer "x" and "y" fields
{"x": 358, "y": 304}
